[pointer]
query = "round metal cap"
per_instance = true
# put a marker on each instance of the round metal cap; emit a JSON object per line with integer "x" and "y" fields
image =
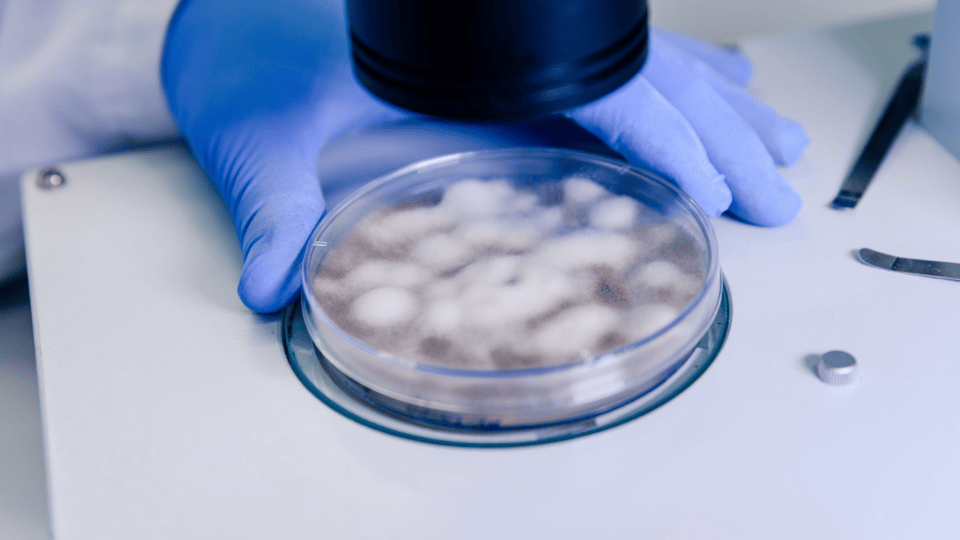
{"x": 837, "y": 368}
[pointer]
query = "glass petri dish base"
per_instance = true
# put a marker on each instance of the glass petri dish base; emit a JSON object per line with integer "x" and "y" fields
{"x": 364, "y": 406}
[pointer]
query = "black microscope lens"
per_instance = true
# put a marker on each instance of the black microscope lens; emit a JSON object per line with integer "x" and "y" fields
{"x": 495, "y": 59}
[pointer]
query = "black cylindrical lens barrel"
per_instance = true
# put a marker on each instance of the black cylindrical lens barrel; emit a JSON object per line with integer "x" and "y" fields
{"x": 495, "y": 59}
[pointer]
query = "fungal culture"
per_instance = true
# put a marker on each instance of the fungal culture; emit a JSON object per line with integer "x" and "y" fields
{"x": 510, "y": 288}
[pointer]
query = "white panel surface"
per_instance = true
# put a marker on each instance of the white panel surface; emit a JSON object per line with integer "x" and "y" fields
{"x": 731, "y": 20}
{"x": 170, "y": 410}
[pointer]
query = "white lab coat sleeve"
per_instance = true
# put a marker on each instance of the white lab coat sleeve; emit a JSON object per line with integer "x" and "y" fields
{"x": 76, "y": 79}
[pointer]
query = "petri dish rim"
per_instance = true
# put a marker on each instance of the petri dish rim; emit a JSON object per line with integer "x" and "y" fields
{"x": 357, "y": 410}
{"x": 312, "y": 309}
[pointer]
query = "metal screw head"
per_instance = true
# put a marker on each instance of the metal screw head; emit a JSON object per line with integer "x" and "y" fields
{"x": 50, "y": 179}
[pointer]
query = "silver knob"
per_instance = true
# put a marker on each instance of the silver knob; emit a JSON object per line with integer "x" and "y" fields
{"x": 837, "y": 368}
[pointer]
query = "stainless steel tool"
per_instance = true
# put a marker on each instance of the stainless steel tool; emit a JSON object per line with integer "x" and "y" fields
{"x": 903, "y": 104}
{"x": 938, "y": 269}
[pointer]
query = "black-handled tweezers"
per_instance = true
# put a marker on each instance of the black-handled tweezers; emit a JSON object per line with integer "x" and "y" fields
{"x": 903, "y": 104}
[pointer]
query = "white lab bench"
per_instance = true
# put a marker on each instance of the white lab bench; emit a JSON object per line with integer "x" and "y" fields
{"x": 170, "y": 410}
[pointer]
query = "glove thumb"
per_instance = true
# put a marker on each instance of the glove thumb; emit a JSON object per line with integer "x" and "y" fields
{"x": 273, "y": 240}
{"x": 274, "y": 196}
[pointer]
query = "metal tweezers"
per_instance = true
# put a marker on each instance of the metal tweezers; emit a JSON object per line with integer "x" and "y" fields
{"x": 902, "y": 106}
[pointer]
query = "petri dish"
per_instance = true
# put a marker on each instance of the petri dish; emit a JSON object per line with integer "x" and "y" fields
{"x": 509, "y": 289}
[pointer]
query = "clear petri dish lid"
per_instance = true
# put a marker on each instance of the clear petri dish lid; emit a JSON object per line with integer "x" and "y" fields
{"x": 506, "y": 289}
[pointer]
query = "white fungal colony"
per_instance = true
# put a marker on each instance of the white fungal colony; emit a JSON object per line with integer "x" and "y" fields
{"x": 491, "y": 276}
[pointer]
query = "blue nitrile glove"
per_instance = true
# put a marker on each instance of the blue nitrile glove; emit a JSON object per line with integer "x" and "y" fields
{"x": 688, "y": 117}
{"x": 258, "y": 88}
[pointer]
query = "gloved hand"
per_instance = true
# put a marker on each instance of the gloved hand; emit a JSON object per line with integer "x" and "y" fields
{"x": 258, "y": 88}
{"x": 688, "y": 117}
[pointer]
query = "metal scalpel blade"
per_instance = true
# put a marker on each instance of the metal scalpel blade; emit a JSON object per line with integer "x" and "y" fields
{"x": 937, "y": 269}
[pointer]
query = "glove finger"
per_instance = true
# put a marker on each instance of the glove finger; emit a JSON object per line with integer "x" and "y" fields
{"x": 636, "y": 121}
{"x": 274, "y": 238}
{"x": 761, "y": 195}
{"x": 784, "y": 138}
{"x": 270, "y": 185}
{"x": 257, "y": 88}
{"x": 729, "y": 62}
{"x": 265, "y": 166}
